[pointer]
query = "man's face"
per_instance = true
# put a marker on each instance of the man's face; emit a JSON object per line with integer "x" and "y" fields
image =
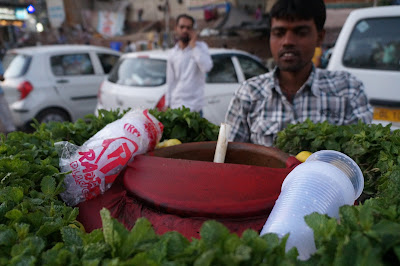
{"x": 292, "y": 43}
{"x": 184, "y": 29}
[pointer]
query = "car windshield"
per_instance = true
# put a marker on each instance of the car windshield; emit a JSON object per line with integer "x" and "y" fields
{"x": 374, "y": 44}
{"x": 142, "y": 72}
{"x": 15, "y": 65}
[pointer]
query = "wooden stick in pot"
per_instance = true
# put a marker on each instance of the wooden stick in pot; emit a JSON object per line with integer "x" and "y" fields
{"x": 222, "y": 143}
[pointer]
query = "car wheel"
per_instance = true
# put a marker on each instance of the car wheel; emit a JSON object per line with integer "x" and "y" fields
{"x": 52, "y": 114}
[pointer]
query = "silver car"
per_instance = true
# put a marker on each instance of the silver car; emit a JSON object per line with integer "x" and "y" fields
{"x": 139, "y": 80}
{"x": 54, "y": 82}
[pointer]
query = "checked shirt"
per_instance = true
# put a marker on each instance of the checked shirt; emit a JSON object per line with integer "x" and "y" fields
{"x": 259, "y": 109}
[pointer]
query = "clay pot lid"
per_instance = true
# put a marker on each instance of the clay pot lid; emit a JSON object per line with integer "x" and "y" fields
{"x": 247, "y": 185}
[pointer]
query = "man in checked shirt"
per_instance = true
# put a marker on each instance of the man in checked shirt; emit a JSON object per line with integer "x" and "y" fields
{"x": 295, "y": 90}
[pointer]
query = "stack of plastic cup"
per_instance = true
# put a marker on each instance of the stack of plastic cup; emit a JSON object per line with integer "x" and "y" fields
{"x": 326, "y": 181}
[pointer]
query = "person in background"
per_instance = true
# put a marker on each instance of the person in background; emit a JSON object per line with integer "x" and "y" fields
{"x": 317, "y": 56}
{"x": 258, "y": 13}
{"x": 6, "y": 122}
{"x": 130, "y": 47}
{"x": 187, "y": 65}
{"x": 61, "y": 36}
{"x": 140, "y": 14}
{"x": 295, "y": 90}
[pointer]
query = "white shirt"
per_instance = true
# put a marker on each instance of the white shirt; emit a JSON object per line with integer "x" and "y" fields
{"x": 186, "y": 76}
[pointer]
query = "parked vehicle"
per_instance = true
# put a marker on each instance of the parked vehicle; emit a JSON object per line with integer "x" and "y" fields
{"x": 54, "y": 82}
{"x": 368, "y": 46}
{"x": 139, "y": 80}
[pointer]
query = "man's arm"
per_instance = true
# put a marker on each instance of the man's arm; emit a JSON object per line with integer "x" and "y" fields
{"x": 170, "y": 81}
{"x": 361, "y": 109}
{"x": 236, "y": 117}
{"x": 202, "y": 57}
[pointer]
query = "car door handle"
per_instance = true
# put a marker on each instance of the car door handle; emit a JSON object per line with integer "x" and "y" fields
{"x": 213, "y": 101}
{"x": 62, "y": 81}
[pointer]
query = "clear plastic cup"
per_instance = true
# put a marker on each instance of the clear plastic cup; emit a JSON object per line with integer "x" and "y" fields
{"x": 345, "y": 164}
{"x": 326, "y": 181}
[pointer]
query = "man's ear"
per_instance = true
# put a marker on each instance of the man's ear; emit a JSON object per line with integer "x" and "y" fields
{"x": 321, "y": 37}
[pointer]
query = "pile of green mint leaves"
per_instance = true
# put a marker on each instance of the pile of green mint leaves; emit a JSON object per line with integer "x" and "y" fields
{"x": 38, "y": 228}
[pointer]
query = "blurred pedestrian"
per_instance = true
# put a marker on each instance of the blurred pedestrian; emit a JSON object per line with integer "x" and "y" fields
{"x": 6, "y": 121}
{"x": 130, "y": 47}
{"x": 86, "y": 36}
{"x": 61, "y": 36}
{"x": 188, "y": 62}
{"x": 140, "y": 14}
{"x": 258, "y": 13}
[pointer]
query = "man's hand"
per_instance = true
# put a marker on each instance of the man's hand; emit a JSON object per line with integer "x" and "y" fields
{"x": 193, "y": 38}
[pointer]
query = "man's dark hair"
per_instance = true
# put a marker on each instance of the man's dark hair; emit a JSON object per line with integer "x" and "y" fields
{"x": 185, "y": 16}
{"x": 300, "y": 9}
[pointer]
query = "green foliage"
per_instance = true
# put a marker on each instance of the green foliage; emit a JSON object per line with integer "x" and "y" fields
{"x": 37, "y": 228}
{"x": 373, "y": 147}
{"x": 186, "y": 126}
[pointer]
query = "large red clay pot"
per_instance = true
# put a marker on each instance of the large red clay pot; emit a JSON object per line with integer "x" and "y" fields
{"x": 179, "y": 187}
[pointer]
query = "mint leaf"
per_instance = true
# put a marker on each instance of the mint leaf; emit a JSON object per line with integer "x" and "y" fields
{"x": 71, "y": 237}
{"x": 178, "y": 132}
{"x": 387, "y": 233}
{"x": 94, "y": 237}
{"x": 22, "y": 230}
{"x": 96, "y": 251}
{"x": 366, "y": 218}
{"x": 48, "y": 185}
{"x": 50, "y": 227}
{"x": 142, "y": 259}
{"x": 8, "y": 237}
{"x": 213, "y": 233}
{"x": 14, "y": 194}
{"x": 29, "y": 246}
{"x": 14, "y": 215}
{"x": 176, "y": 243}
{"x": 23, "y": 260}
{"x": 232, "y": 242}
{"x": 323, "y": 225}
{"x": 114, "y": 232}
{"x": 206, "y": 258}
{"x": 59, "y": 255}
{"x": 141, "y": 234}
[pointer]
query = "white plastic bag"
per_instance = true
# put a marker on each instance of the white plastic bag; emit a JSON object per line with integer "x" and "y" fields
{"x": 95, "y": 165}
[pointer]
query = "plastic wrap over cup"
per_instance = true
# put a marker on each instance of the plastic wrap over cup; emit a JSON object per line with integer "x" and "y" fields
{"x": 326, "y": 181}
{"x": 95, "y": 165}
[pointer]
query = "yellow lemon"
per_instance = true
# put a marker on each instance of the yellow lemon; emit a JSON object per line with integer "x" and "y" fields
{"x": 161, "y": 144}
{"x": 168, "y": 142}
{"x": 172, "y": 142}
{"x": 303, "y": 155}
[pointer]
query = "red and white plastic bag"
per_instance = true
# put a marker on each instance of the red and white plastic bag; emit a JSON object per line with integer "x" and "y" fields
{"x": 95, "y": 165}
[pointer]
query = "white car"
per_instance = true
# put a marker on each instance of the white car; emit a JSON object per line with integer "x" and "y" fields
{"x": 139, "y": 80}
{"x": 54, "y": 82}
{"x": 368, "y": 46}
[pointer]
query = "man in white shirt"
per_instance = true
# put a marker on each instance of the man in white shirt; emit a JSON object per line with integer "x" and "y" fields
{"x": 188, "y": 63}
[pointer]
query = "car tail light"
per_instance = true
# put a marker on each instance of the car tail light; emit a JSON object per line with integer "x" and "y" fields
{"x": 24, "y": 89}
{"x": 161, "y": 104}
{"x": 99, "y": 93}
